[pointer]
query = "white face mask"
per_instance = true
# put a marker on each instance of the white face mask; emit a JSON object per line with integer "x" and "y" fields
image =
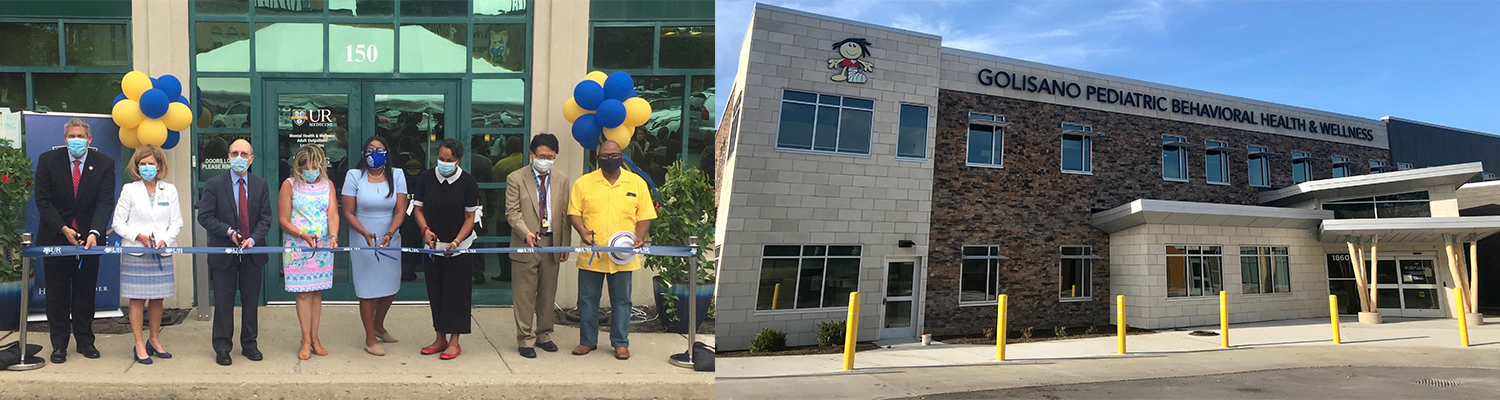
{"x": 541, "y": 165}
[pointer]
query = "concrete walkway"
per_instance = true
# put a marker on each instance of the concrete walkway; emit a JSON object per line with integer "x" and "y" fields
{"x": 490, "y": 367}
{"x": 915, "y": 370}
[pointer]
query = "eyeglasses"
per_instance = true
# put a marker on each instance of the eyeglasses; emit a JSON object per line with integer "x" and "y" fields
{"x": 374, "y": 151}
{"x": 611, "y": 156}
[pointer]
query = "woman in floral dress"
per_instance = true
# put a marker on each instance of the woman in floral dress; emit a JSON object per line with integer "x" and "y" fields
{"x": 310, "y": 218}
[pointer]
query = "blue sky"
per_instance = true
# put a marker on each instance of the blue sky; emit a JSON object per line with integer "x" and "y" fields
{"x": 1431, "y": 61}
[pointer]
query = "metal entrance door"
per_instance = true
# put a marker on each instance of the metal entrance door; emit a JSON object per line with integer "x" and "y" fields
{"x": 1409, "y": 288}
{"x": 901, "y": 306}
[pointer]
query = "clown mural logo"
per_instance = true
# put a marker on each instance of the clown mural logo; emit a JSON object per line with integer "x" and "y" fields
{"x": 854, "y": 54}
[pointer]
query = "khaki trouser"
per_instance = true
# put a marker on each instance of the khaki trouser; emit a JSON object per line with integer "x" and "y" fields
{"x": 534, "y": 290}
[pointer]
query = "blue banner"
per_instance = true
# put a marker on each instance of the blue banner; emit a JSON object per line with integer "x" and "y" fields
{"x": 74, "y": 251}
{"x": 43, "y": 132}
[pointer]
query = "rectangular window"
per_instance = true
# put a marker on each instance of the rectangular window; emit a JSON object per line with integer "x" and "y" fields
{"x": 825, "y": 123}
{"x": 1076, "y": 150}
{"x": 807, "y": 277}
{"x": 1258, "y": 167}
{"x": 1173, "y": 159}
{"x": 1340, "y": 166}
{"x": 1077, "y": 128}
{"x": 1074, "y": 278}
{"x": 911, "y": 138}
{"x": 1489, "y": 176}
{"x": 1216, "y": 160}
{"x": 986, "y": 147}
{"x": 1405, "y": 205}
{"x": 1194, "y": 271}
{"x": 1300, "y": 168}
{"x": 1377, "y": 166}
{"x": 979, "y": 280}
{"x": 1265, "y": 270}
{"x": 1404, "y": 166}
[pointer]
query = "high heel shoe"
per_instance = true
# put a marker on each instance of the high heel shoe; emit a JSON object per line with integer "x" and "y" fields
{"x": 152, "y": 351}
{"x": 146, "y": 361}
{"x": 456, "y": 351}
{"x": 427, "y": 351}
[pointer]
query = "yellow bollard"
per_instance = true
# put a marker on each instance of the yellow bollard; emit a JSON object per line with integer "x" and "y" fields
{"x": 1000, "y": 330}
{"x": 775, "y": 296}
{"x": 1333, "y": 313}
{"x": 1223, "y": 319}
{"x": 1120, "y": 320}
{"x": 851, "y": 335}
{"x": 1073, "y": 291}
{"x": 1463, "y": 320}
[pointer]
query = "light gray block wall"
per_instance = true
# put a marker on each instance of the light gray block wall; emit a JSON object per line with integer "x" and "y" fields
{"x": 1138, "y": 270}
{"x": 778, "y": 197}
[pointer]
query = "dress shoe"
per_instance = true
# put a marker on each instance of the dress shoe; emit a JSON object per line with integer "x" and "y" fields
{"x": 222, "y": 357}
{"x": 527, "y": 352}
{"x": 146, "y": 361}
{"x": 252, "y": 353}
{"x": 456, "y": 351}
{"x": 375, "y": 349}
{"x": 152, "y": 351}
{"x": 622, "y": 353}
{"x": 59, "y": 356}
{"x": 88, "y": 351}
{"x": 581, "y": 349}
{"x": 386, "y": 337}
{"x": 427, "y": 351}
{"x": 548, "y": 346}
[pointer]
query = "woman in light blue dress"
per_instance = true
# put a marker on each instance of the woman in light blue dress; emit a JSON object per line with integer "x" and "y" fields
{"x": 374, "y": 204}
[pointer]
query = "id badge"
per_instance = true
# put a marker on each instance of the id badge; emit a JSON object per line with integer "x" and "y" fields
{"x": 546, "y": 224}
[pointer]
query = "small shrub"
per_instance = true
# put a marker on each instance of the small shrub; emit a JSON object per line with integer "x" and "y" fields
{"x": 1059, "y": 331}
{"x": 768, "y": 340}
{"x": 831, "y": 333}
{"x": 1026, "y": 333}
{"x": 1093, "y": 330}
{"x": 989, "y": 333}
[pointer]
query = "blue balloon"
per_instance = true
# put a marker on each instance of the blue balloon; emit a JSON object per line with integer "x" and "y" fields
{"x": 586, "y": 130}
{"x": 588, "y": 94}
{"x": 611, "y": 113}
{"x": 184, "y": 101}
{"x": 154, "y": 103}
{"x": 118, "y": 97}
{"x": 619, "y": 86}
{"x": 172, "y": 138}
{"x": 169, "y": 85}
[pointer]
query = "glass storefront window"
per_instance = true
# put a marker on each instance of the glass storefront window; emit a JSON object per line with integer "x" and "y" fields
{"x": 500, "y": 103}
{"x": 97, "y": 45}
{"x": 12, "y": 90}
{"x": 227, "y": 101}
{"x": 213, "y": 153}
{"x": 499, "y": 48}
{"x": 701, "y": 129}
{"x": 28, "y": 44}
{"x": 499, "y": 7}
{"x": 222, "y": 7}
{"x": 289, "y": 47}
{"x": 496, "y": 156}
{"x": 77, "y": 93}
{"x": 289, "y": 7}
{"x": 434, "y": 8}
{"x": 360, "y": 48}
{"x": 624, "y": 47}
{"x": 433, "y": 48}
{"x": 222, "y": 46}
{"x": 658, "y": 143}
{"x": 362, "y": 8}
{"x": 687, "y": 47}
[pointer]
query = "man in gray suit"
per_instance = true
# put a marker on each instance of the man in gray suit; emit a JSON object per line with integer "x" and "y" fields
{"x": 235, "y": 209}
{"x": 536, "y": 199}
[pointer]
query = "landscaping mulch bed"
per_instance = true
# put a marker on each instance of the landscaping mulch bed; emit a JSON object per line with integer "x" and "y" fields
{"x": 799, "y": 351}
{"x": 120, "y": 325}
{"x": 1042, "y": 335}
{"x": 569, "y": 317}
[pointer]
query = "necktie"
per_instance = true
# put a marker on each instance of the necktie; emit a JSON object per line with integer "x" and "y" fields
{"x": 77, "y": 175}
{"x": 244, "y": 211}
{"x": 542, "y": 204}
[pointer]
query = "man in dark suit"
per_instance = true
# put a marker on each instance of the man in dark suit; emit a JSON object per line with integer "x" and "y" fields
{"x": 75, "y": 197}
{"x": 235, "y": 210}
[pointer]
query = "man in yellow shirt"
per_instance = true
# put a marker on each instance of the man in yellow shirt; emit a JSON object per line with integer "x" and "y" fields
{"x": 602, "y": 203}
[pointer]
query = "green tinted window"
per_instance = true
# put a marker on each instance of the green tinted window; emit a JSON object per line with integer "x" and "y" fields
{"x": 28, "y": 44}
{"x": 499, "y": 48}
{"x": 434, "y": 48}
{"x": 77, "y": 93}
{"x": 499, "y": 103}
{"x": 222, "y": 46}
{"x": 289, "y": 47}
{"x": 97, "y": 45}
{"x": 623, "y": 47}
{"x": 499, "y": 7}
{"x": 687, "y": 47}
{"x": 360, "y": 48}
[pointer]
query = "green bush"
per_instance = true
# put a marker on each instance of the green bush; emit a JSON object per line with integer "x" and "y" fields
{"x": 768, "y": 340}
{"x": 831, "y": 333}
{"x": 1059, "y": 331}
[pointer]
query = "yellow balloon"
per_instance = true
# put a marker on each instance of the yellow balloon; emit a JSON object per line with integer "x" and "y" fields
{"x": 571, "y": 110}
{"x": 620, "y": 134}
{"x": 152, "y": 131}
{"x": 637, "y": 111}
{"x": 127, "y": 114}
{"x": 205, "y": 119}
{"x": 129, "y": 138}
{"x": 597, "y": 76}
{"x": 178, "y": 117}
{"x": 135, "y": 83}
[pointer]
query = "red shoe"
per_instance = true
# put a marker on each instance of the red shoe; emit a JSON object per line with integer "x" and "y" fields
{"x": 427, "y": 351}
{"x": 457, "y": 350}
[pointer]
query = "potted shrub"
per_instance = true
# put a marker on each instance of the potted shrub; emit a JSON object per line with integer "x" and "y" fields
{"x": 686, "y": 210}
{"x": 15, "y": 191}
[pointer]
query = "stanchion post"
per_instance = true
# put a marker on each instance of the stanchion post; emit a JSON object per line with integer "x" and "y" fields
{"x": 685, "y": 360}
{"x": 1333, "y": 314}
{"x": 1223, "y": 319}
{"x": 1120, "y": 321}
{"x": 1000, "y": 330}
{"x": 851, "y": 332}
{"x": 1463, "y": 323}
{"x": 25, "y": 302}
{"x": 775, "y": 296}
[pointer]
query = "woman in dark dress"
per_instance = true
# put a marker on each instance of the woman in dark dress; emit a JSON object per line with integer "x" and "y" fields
{"x": 446, "y": 201}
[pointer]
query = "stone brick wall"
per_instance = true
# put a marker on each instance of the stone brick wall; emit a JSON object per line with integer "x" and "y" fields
{"x": 1030, "y": 207}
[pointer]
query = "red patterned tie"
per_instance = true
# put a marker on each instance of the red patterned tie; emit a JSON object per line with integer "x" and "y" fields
{"x": 244, "y": 211}
{"x": 77, "y": 175}
{"x": 542, "y": 204}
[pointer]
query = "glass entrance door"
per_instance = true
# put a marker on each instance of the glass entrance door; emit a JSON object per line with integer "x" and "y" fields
{"x": 899, "y": 319}
{"x": 1408, "y": 288}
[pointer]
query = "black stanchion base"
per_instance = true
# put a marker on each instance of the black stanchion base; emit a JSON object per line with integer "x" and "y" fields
{"x": 684, "y": 360}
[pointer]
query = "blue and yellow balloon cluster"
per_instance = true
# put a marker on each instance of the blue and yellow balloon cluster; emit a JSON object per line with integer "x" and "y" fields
{"x": 151, "y": 110}
{"x": 606, "y": 105}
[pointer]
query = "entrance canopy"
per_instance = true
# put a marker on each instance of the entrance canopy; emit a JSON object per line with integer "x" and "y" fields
{"x": 1410, "y": 230}
{"x": 1148, "y": 211}
{"x": 1373, "y": 184}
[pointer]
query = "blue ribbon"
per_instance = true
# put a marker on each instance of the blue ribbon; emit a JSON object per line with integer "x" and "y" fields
{"x": 72, "y": 251}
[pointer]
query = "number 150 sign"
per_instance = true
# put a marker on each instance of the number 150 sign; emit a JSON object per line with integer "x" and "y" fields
{"x": 361, "y": 53}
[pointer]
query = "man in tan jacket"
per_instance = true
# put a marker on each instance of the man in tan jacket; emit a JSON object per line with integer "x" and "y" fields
{"x": 538, "y": 218}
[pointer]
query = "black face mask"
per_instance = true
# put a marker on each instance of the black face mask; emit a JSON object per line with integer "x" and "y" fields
{"x": 611, "y": 165}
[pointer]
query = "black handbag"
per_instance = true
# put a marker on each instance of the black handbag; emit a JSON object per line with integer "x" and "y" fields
{"x": 10, "y": 354}
{"x": 703, "y": 357}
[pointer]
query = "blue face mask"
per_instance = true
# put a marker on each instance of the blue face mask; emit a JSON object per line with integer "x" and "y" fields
{"x": 446, "y": 168}
{"x": 611, "y": 165}
{"x": 239, "y": 164}
{"x": 148, "y": 172}
{"x": 76, "y": 146}
{"x": 376, "y": 160}
{"x": 310, "y": 175}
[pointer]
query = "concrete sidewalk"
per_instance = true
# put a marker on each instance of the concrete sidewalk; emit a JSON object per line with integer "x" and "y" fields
{"x": 490, "y": 367}
{"x": 915, "y": 370}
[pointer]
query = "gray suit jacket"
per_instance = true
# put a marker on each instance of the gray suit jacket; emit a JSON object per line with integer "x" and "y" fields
{"x": 521, "y": 209}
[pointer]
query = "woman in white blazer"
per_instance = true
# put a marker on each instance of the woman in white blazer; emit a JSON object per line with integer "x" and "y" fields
{"x": 147, "y": 215}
